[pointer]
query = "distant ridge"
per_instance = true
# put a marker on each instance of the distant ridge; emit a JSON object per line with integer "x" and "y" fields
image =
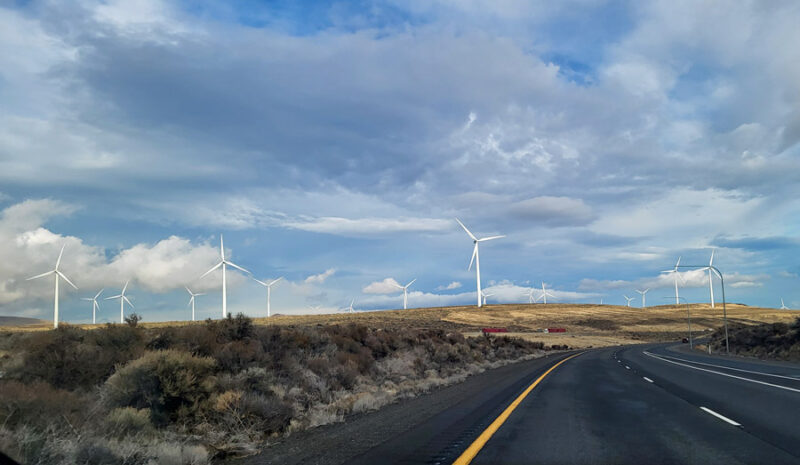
{"x": 20, "y": 321}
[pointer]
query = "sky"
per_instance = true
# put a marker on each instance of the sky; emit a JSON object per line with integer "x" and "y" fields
{"x": 334, "y": 144}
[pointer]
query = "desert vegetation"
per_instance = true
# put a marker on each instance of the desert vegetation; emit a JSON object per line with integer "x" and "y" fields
{"x": 184, "y": 395}
{"x": 775, "y": 341}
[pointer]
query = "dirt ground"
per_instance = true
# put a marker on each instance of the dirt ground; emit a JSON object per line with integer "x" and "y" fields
{"x": 586, "y": 324}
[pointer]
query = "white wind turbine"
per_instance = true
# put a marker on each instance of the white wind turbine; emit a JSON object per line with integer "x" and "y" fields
{"x": 405, "y": 292}
{"x": 56, "y": 274}
{"x": 629, "y": 299}
{"x": 350, "y": 308}
{"x": 678, "y": 276}
{"x": 122, "y": 299}
{"x": 644, "y": 296}
{"x": 268, "y": 285}
{"x": 192, "y": 299}
{"x": 485, "y": 295}
{"x": 95, "y": 305}
{"x": 315, "y": 308}
{"x": 710, "y": 270}
{"x": 783, "y": 305}
{"x": 545, "y": 294}
{"x": 223, "y": 262}
{"x": 476, "y": 257}
{"x": 531, "y": 298}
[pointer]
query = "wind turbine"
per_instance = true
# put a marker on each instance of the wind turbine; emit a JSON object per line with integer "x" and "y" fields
{"x": 644, "y": 296}
{"x": 191, "y": 299}
{"x": 57, "y": 274}
{"x": 95, "y": 305}
{"x": 316, "y": 308}
{"x": 783, "y": 305}
{"x": 710, "y": 270}
{"x": 223, "y": 262}
{"x": 531, "y": 298}
{"x": 268, "y": 285}
{"x": 122, "y": 299}
{"x": 485, "y": 295}
{"x": 678, "y": 276}
{"x": 475, "y": 256}
{"x": 350, "y": 308}
{"x": 545, "y": 294}
{"x": 629, "y": 299}
{"x": 405, "y": 292}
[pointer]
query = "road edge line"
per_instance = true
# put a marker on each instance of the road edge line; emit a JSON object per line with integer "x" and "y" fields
{"x": 472, "y": 451}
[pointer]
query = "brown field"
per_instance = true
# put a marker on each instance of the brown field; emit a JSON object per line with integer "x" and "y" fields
{"x": 586, "y": 324}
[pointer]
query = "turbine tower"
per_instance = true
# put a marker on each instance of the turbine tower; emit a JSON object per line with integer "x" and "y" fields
{"x": 783, "y": 305}
{"x": 56, "y": 274}
{"x": 545, "y": 294}
{"x": 223, "y": 262}
{"x": 405, "y": 292}
{"x": 629, "y": 299}
{"x": 475, "y": 256}
{"x": 677, "y": 274}
{"x": 95, "y": 305}
{"x": 268, "y": 285}
{"x": 644, "y": 296}
{"x": 710, "y": 283}
{"x": 485, "y": 295}
{"x": 122, "y": 299}
{"x": 192, "y": 299}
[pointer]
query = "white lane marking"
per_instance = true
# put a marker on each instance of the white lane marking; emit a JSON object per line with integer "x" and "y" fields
{"x": 627, "y": 367}
{"x": 793, "y": 378}
{"x": 723, "y": 374}
{"x": 721, "y": 417}
{"x": 647, "y": 379}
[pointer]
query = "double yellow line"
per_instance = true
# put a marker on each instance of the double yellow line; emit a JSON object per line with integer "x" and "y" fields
{"x": 476, "y": 446}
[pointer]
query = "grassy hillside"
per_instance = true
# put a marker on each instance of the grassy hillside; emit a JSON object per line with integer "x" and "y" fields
{"x": 773, "y": 341}
{"x": 183, "y": 394}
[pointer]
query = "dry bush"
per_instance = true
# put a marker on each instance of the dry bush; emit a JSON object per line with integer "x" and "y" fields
{"x": 171, "y": 384}
{"x": 127, "y": 421}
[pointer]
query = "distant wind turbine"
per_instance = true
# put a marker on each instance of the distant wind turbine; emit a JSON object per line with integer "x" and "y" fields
{"x": 350, "y": 308}
{"x": 485, "y": 295}
{"x": 95, "y": 305}
{"x": 545, "y": 294}
{"x": 223, "y": 262}
{"x": 476, "y": 257}
{"x": 316, "y": 308}
{"x": 644, "y": 296}
{"x": 268, "y": 285}
{"x": 56, "y": 274}
{"x": 405, "y": 292}
{"x": 192, "y": 299}
{"x": 710, "y": 283}
{"x": 629, "y": 299}
{"x": 531, "y": 298}
{"x": 677, "y": 274}
{"x": 122, "y": 299}
{"x": 783, "y": 305}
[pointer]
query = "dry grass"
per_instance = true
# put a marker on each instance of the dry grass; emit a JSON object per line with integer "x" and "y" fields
{"x": 586, "y": 324}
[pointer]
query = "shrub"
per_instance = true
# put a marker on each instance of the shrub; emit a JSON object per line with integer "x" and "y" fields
{"x": 171, "y": 384}
{"x": 133, "y": 319}
{"x": 39, "y": 404}
{"x": 128, "y": 420}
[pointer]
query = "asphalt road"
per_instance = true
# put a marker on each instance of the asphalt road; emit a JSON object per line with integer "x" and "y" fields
{"x": 649, "y": 404}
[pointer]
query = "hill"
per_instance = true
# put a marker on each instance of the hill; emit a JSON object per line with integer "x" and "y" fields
{"x": 13, "y": 321}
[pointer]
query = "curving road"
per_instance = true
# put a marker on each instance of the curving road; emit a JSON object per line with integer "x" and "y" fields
{"x": 630, "y": 405}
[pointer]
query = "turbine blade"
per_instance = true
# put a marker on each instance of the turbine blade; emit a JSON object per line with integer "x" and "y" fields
{"x": 260, "y": 282}
{"x": 678, "y": 264}
{"x": 467, "y": 230}
{"x": 273, "y": 282}
{"x": 125, "y": 288}
{"x": 237, "y": 267}
{"x": 113, "y": 297}
{"x": 200, "y": 294}
{"x": 129, "y": 302}
{"x": 98, "y": 294}
{"x": 58, "y": 262}
{"x": 86, "y": 298}
{"x": 490, "y": 238}
{"x": 221, "y": 248}
{"x": 711, "y": 262}
{"x": 412, "y": 282}
{"x": 212, "y": 269}
{"x": 474, "y": 252}
{"x": 191, "y": 299}
{"x": 66, "y": 279}
{"x": 716, "y": 273}
{"x": 187, "y": 290}
{"x": 40, "y": 275}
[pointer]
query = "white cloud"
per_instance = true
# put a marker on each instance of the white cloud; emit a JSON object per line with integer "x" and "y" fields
{"x": 387, "y": 286}
{"x": 554, "y": 211}
{"x": 320, "y": 278}
{"x": 449, "y": 287}
{"x": 369, "y": 226}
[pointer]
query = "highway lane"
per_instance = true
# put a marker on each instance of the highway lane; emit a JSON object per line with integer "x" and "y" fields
{"x": 599, "y": 408}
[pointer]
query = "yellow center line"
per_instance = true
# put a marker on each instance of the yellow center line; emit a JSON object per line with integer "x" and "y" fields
{"x": 468, "y": 455}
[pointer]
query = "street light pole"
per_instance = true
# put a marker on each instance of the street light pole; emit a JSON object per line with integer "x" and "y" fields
{"x": 724, "y": 309}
